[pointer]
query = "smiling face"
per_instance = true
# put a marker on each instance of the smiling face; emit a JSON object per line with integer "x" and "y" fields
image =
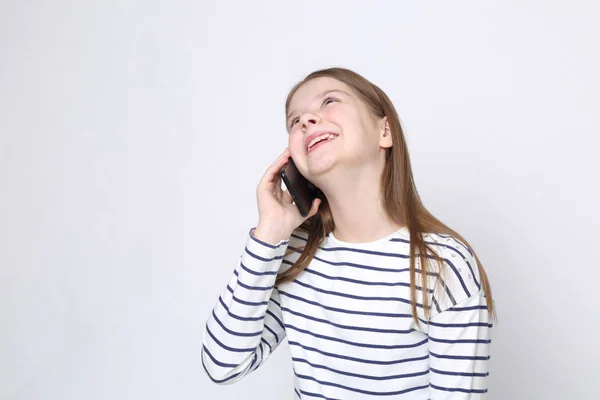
{"x": 326, "y": 105}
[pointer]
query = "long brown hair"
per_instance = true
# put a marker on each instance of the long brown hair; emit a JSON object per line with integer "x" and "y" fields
{"x": 400, "y": 198}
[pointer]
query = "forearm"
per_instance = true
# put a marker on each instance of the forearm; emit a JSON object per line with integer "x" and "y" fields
{"x": 244, "y": 327}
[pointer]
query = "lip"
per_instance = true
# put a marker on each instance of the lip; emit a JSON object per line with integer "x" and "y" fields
{"x": 310, "y": 137}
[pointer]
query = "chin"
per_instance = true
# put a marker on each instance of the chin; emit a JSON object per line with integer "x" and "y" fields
{"x": 319, "y": 164}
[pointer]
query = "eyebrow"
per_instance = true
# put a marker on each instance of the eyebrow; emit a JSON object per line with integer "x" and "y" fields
{"x": 290, "y": 115}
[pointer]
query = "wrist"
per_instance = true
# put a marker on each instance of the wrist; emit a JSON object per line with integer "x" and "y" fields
{"x": 269, "y": 234}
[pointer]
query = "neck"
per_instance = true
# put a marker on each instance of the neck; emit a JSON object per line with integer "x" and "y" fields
{"x": 354, "y": 197}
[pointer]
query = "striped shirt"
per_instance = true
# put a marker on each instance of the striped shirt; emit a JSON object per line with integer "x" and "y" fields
{"x": 348, "y": 320}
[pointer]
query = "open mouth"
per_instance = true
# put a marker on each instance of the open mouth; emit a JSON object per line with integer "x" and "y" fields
{"x": 320, "y": 141}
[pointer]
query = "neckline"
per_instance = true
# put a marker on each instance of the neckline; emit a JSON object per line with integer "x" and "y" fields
{"x": 402, "y": 231}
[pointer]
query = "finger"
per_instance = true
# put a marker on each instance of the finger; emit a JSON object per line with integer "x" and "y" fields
{"x": 282, "y": 155}
{"x": 272, "y": 173}
{"x": 277, "y": 191}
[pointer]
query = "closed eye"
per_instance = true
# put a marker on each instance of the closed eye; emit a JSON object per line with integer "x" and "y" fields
{"x": 325, "y": 102}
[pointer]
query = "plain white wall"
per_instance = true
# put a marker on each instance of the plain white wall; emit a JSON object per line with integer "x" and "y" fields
{"x": 134, "y": 133}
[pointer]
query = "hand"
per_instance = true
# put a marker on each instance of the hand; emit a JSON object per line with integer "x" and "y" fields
{"x": 278, "y": 216}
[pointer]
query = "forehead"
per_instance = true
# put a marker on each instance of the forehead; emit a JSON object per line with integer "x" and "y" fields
{"x": 307, "y": 92}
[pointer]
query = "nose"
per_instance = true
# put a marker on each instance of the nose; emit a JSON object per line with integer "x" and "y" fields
{"x": 308, "y": 119}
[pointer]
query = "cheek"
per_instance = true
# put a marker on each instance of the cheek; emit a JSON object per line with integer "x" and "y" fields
{"x": 336, "y": 115}
{"x": 349, "y": 122}
{"x": 345, "y": 117}
{"x": 296, "y": 143}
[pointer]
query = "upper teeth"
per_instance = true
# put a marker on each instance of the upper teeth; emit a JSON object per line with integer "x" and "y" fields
{"x": 327, "y": 136}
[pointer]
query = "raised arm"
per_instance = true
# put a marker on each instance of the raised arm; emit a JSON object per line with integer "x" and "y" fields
{"x": 245, "y": 325}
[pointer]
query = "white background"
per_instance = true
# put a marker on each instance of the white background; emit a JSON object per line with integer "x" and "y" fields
{"x": 134, "y": 133}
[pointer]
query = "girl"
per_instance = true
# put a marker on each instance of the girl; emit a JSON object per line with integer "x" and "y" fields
{"x": 377, "y": 297}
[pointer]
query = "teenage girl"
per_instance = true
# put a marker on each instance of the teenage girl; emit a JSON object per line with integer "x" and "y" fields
{"x": 376, "y": 296}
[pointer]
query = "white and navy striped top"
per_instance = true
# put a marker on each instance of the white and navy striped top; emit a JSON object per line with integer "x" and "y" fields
{"x": 348, "y": 321}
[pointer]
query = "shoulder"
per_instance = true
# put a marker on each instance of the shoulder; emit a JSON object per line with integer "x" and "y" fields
{"x": 459, "y": 278}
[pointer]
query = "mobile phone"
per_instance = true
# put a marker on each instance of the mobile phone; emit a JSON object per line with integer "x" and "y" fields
{"x": 302, "y": 190}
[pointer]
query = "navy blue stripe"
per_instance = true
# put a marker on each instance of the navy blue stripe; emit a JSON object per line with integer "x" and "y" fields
{"x": 219, "y": 380}
{"x": 461, "y": 255}
{"x": 345, "y": 311}
{"x": 369, "y": 267}
{"x": 473, "y": 273}
{"x": 377, "y": 378}
{"x": 254, "y": 359}
{"x": 223, "y": 346}
{"x": 434, "y": 243}
{"x": 299, "y": 237}
{"x": 349, "y": 327}
{"x": 451, "y": 357}
{"x": 445, "y": 389}
{"x": 267, "y": 343}
{"x": 378, "y": 253}
{"x": 317, "y": 395}
{"x": 360, "y": 360}
{"x": 404, "y": 256}
{"x": 219, "y": 363}
{"x": 459, "y": 276}
{"x": 265, "y": 243}
{"x": 234, "y": 332}
{"x": 363, "y": 251}
{"x": 232, "y": 315}
{"x": 483, "y": 341}
{"x": 250, "y": 287}
{"x": 445, "y": 259}
{"x": 256, "y": 256}
{"x": 257, "y": 364}
{"x": 474, "y": 374}
{"x": 245, "y": 302}
{"x": 257, "y": 273}
{"x": 267, "y": 327}
{"x": 467, "y": 308}
{"x": 276, "y": 319}
{"x": 297, "y": 394}
{"x": 351, "y": 296}
{"x": 367, "y": 345}
{"x": 448, "y": 292}
{"x": 397, "y": 255}
{"x": 293, "y": 249}
{"x": 310, "y": 378}
{"x": 466, "y": 325}
{"x": 456, "y": 240}
{"x": 275, "y": 301}
{"x": 437, "y": 306}
{"x": 357, "y": 281}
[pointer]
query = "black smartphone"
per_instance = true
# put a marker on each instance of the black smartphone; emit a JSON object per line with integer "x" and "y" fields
{"x": 302, "y": 190}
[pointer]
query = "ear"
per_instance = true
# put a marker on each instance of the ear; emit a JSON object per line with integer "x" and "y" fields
{"x": 385, "y": 134}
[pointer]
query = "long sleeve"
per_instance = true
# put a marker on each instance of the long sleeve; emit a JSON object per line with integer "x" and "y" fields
{"x": 459, "y": 350}
{"x": 245, "y": 326}
{"x": 460, "y": 333}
